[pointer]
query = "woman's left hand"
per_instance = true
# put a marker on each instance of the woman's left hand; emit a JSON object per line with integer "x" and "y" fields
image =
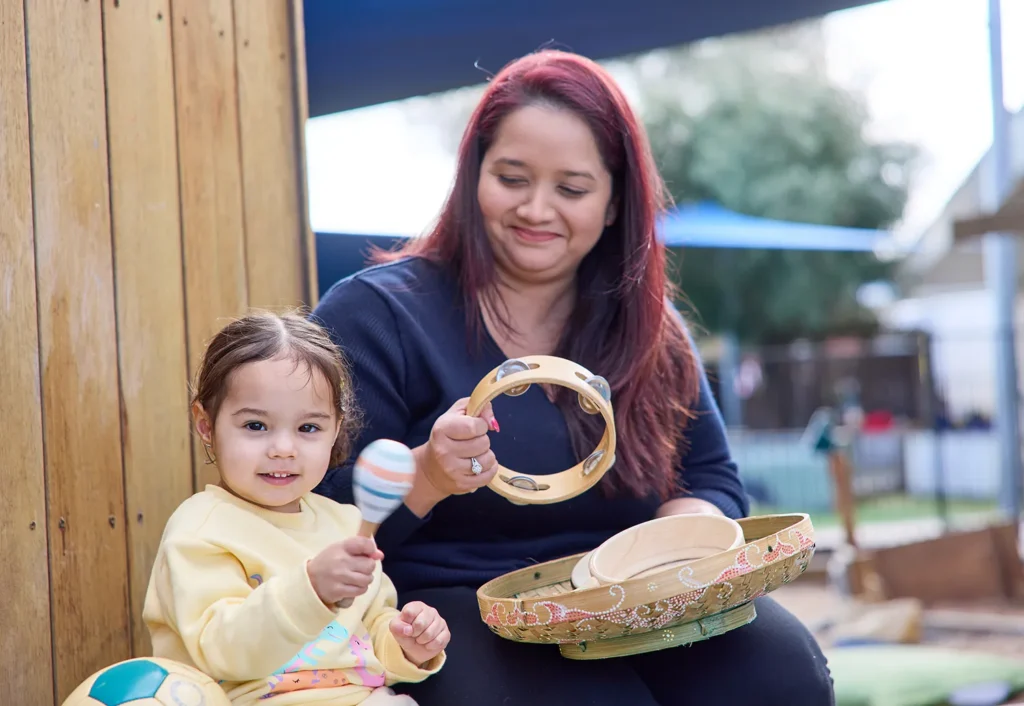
{"x": 687, "y": 506}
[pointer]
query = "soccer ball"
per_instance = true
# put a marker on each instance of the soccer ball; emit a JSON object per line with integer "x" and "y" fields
{"x": 148, "y": 681}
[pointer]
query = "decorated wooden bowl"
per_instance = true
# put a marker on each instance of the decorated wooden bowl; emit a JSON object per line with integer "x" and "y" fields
{"x": 673, "y": 606}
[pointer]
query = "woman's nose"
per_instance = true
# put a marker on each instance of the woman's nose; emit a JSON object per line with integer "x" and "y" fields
{"x": 536, "y": 208}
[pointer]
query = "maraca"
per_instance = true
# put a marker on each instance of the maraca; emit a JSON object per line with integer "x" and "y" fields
{"x": 381, "y": 479}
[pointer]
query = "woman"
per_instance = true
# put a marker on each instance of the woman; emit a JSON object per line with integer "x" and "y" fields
{"x": 547, "y": 245}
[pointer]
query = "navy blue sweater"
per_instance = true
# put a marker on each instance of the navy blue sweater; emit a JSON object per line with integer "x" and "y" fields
{"x": 403, "y": 330}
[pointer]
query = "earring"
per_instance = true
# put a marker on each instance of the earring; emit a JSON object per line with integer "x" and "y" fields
{"x": 211, "y": 459}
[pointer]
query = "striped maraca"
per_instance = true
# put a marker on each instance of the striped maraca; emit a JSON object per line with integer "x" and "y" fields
{"x": 381, "y": 479}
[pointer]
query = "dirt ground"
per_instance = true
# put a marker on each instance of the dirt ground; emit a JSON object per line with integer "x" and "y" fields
{"x": 999, "y": 629}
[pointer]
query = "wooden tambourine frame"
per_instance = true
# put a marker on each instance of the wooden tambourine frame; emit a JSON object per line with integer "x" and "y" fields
{"x": 525, "y": 489}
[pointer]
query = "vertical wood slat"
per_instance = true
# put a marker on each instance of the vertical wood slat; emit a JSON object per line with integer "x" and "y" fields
{"x": 150, "y": 297}
{"x": 96, "y": 253}
{"x": 301, "y": 98}
{"x": 77, "y": 339}
{"x": 269, "y": 125}
{"x": 210, "y": 177}
{"x": 25, "y": 649}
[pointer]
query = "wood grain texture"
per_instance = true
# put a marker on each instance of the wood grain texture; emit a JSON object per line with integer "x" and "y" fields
{"x": 271, "y": 163}
{"x": 210, "y": 177}
{"x": 77, "y": 339}
{"x": 298, "y": 35}
{"x": 25, "y": 648}
{"x": 150, "y": 297}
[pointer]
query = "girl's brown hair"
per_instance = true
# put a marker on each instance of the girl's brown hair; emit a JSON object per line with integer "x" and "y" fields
{"x": 267, "y": 336}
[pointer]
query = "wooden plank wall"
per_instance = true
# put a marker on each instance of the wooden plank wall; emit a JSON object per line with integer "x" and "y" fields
{"x": 151, "y": 187}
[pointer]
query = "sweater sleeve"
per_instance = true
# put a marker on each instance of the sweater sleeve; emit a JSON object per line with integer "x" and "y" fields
{"x": 363, "y": 326}
{"x": 232, "y": 631}
{"x": 397, "y": 667}
{"x": 707, "y": 469}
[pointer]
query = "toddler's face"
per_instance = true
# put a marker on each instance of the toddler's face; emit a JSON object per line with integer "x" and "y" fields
{"x": 274, "y": 433}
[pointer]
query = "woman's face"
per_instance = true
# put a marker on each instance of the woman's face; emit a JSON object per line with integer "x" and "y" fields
{"x": 545, "y": 194}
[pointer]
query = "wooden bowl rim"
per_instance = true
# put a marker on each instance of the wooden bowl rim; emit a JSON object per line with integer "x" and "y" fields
{"x": 702, "y": 571}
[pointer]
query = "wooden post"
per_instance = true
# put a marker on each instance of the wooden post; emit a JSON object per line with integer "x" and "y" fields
{"x": 843, "y": 499}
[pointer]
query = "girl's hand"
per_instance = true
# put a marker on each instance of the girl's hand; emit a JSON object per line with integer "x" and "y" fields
{"x": 421, "y": 632}
{"x": 344, "y": 569}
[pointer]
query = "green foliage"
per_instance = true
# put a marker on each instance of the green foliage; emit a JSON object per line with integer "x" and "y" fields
{"x": 758, "y": 128}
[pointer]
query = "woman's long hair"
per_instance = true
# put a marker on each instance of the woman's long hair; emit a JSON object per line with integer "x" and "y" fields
{"x": 623, "y": 327}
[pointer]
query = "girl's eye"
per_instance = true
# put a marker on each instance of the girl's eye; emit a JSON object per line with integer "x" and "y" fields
{"x": 511, "y": 181}
{"x": 309, "y": 428}
{"x": 255, "y": 426}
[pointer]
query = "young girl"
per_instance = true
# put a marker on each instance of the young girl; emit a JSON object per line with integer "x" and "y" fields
{"x": 249, "y": 573}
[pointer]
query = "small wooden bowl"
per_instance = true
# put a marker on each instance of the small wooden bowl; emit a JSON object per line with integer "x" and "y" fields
{"x": 514, "y": 377}
{"x": 654, "y": 546}
{"x": 673, "y": 606}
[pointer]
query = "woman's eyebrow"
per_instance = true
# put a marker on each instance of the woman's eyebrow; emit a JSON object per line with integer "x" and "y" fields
{"x": 508, "y": 161}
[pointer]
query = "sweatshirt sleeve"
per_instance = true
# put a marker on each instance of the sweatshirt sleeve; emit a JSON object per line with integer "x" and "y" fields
{"x": 707, "y": 469}
{"x": 397, "y": 668}
{"x": 234, "y": 632}
{"x": 363, "y": 326}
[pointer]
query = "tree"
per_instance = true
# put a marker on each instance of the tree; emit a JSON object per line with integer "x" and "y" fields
{"x": 754, "y": 124}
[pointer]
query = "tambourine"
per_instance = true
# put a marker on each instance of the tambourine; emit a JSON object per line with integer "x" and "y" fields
{"x": 513, "y": 378}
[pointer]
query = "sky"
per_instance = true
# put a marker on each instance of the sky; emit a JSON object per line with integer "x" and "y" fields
{"x": 923, "y": 66}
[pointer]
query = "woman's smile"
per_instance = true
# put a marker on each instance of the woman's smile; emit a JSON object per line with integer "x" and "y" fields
{"x": 534, "y": 236}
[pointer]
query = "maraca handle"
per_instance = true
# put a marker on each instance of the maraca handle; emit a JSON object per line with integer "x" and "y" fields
{"x": 366, "y": 529}
{"x": 523, "y": 488}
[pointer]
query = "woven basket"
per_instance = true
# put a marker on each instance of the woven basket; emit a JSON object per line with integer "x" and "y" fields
{"x": 704, "y": 598}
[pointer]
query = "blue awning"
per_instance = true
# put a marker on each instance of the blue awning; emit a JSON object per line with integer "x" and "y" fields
{"x": 708, "y": 225}
{"x": 364, "y": 52}
{"x": 703, "y": 225}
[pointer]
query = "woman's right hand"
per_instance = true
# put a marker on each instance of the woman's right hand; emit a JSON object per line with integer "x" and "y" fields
{"x": 445, "y": 460}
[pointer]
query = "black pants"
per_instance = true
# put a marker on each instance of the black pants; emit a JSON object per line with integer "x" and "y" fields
{"x": 773, "y": 661}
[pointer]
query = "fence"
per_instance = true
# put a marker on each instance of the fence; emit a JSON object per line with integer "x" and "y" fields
{"x": 927, "y": 456}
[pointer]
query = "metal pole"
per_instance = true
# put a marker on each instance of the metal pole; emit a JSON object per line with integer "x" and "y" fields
{"x": 729, "y": 362}
{"x": 1001, "y": 274}
{"x": 728, "y": 372}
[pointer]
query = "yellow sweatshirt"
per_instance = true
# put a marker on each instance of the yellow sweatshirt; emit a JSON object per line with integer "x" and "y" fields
{"x": 229, "y": 594}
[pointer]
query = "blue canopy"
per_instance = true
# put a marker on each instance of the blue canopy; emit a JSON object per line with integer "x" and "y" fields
{"x": 702, "y": 225}
{"x": 363, "y": 52}
{"x": 708, "y": 225}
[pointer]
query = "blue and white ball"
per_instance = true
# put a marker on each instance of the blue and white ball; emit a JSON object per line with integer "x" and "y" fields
{"x": 148, "y": 681}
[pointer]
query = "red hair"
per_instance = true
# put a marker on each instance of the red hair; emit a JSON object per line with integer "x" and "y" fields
{"x": 623, "y": 327}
